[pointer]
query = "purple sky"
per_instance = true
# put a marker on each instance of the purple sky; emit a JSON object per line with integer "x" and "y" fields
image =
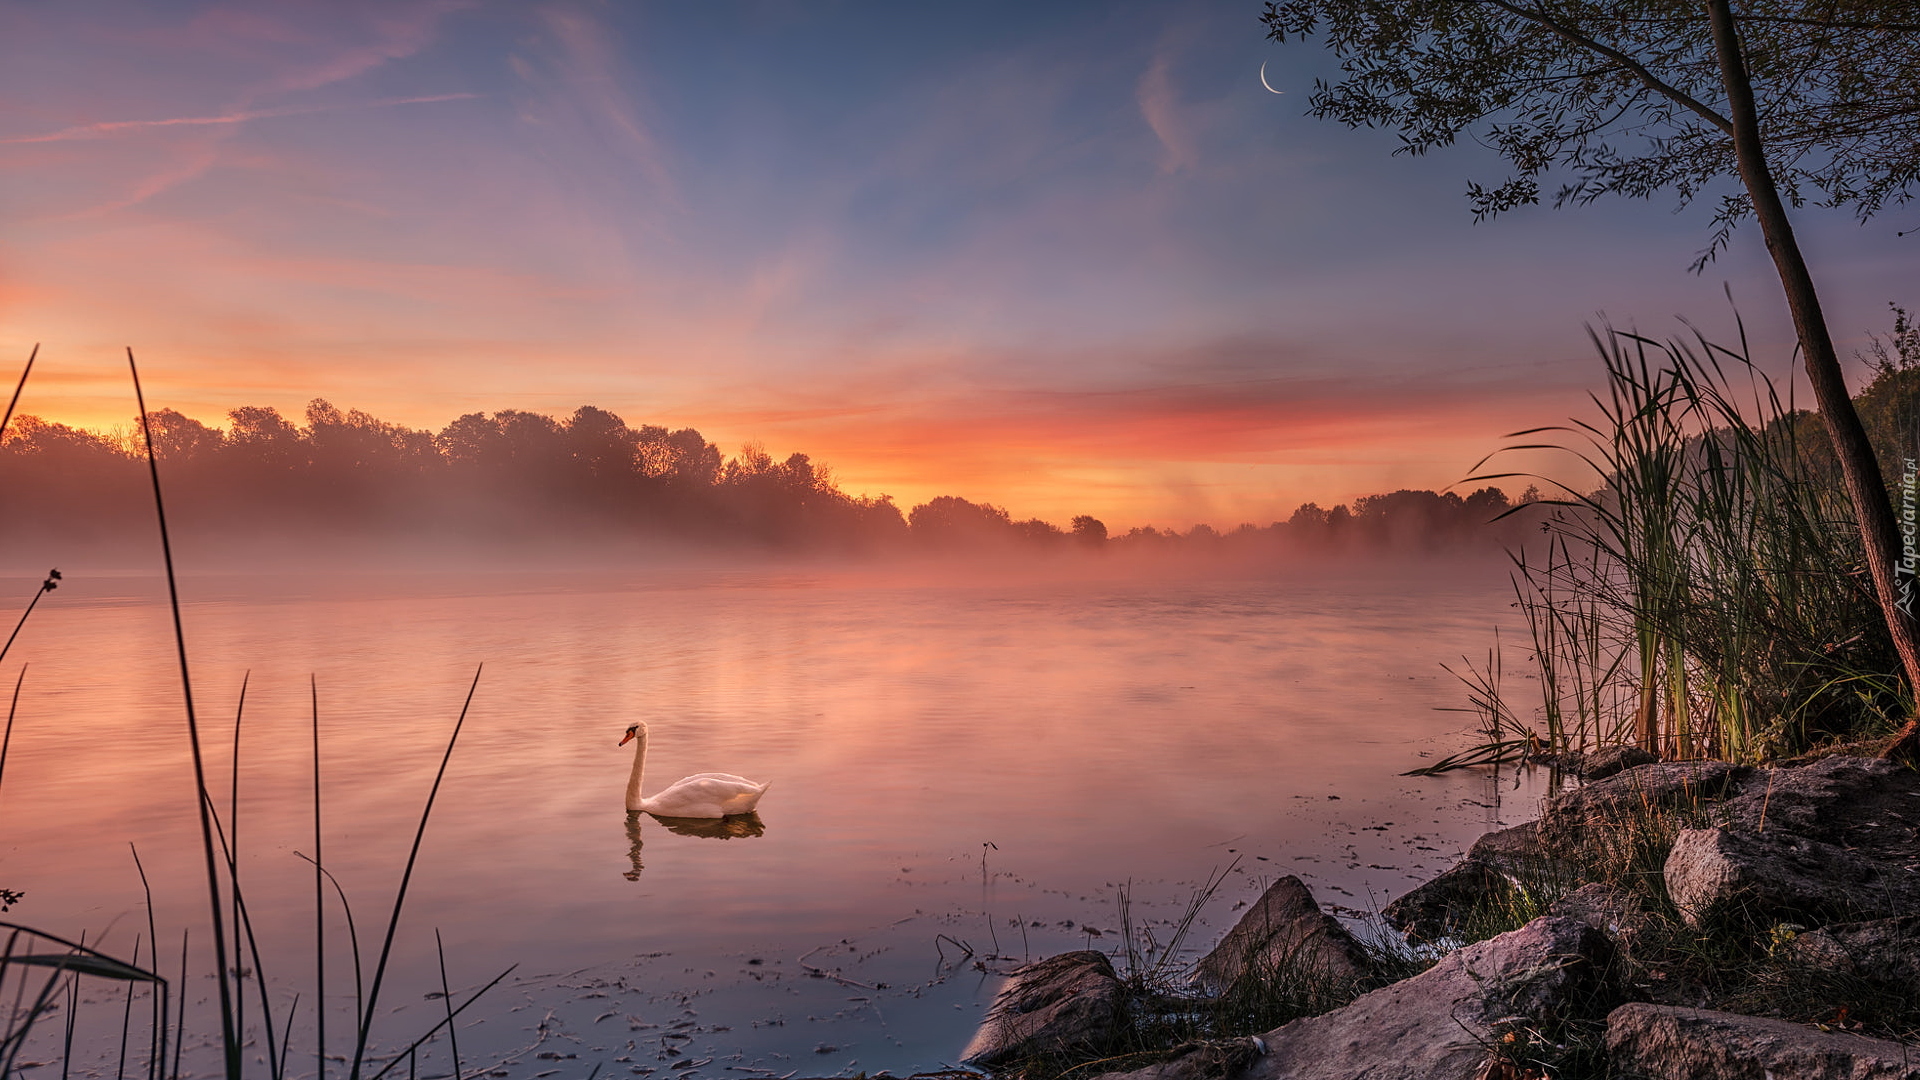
{"x": 1062, "y": 257}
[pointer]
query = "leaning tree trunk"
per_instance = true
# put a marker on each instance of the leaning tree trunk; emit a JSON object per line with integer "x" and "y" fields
{"x": 1866, "y": 488}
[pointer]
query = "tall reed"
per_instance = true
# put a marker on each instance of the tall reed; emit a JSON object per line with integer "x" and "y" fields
{"x": 1708, "y": 597}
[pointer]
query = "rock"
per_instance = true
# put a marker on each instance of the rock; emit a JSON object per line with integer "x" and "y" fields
{"x": 1520, "y": 855}
{"x": 1437, "y": 908}
{"x": 1756, "y": 878}
{"x": 1597, "y": 764}
{"x": 1661, "y": 1041}
{"x": 1066, "y": 1002}
{"x": 1434, "y": 909}
{"x": 1629, "y": 796}
{"x": 1821, "y": 800}
{"x": 1283, "y": 933}
{"x": 1517, "y": 853}
{"x": 1224, "y": 1060}
{"x": 1882, "y": 950}
{"x": 1833, "y": 839}
{"x": 1615, "y": 912}
{"x": 1608, "y": 760}
{"x": 1442, "y": 1023}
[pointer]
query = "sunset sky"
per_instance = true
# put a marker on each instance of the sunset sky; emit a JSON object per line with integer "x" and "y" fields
{"x": 1061, "y": 257}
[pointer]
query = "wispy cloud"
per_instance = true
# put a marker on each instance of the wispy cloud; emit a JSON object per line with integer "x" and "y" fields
{"x": 1159, "y": 106}
{"x": 586, "y": 92}
{"x": 107, "y": 128}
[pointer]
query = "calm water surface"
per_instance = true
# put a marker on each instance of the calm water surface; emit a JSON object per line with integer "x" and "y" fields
{"x": 955, "y": 766}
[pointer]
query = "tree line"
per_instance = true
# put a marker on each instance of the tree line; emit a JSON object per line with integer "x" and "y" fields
{"x": 515, "y": 475}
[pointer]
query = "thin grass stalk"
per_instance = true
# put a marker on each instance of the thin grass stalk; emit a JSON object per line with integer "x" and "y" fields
{"x": 286, "y": 1035}
{"x": 73, "y": 1012}
{"x": 353, "y": 933}
{"x": 407, "y": 1054}
{"x": 20, "y": 990}
{"x": 233, "y": 873}
{"x": 229, "y": 1038}
{"x": 233, "y": 879}
{"x": 243, "y": 920}
{"x": 6, "y": 741}
{"x": 126, "y": 1019}
{"x": 1136, "y": 964}
{"x": 406, "y": 877}
{"x": 242, "y": 917}
{"x": 17, "y": 387}
{"x": 180, "y": 1022}
{"x": 51, "y": 583}
{"x": 446, "y": 999}
{"x": 319, "y": 908}
{"x": 153, "y": 935}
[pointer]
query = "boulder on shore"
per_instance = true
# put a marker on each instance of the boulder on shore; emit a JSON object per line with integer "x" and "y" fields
{"x": 1615, "y": 912}
{"x": 1073, "y": 1001}
{"x": 1284, "y": 933}
{"x": 1881, "y": 950}
{"x": 1443, "y": 1024}
{"x": 1435, "y": 909}
{"x": 1665, "y": 1041}
{"x": 1598, "y": 764}
{"x": 1823, "y": 800}
{"x": 1445, "y": 1021}
{"x": 1626, "y": 797}
{"x": 1719, "y": 874}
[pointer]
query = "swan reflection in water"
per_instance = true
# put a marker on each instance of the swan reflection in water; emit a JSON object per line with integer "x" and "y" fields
{"x": 737, "y": 827}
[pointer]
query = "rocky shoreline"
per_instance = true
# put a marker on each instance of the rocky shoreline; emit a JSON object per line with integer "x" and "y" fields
{"x": 1663, "y": 920}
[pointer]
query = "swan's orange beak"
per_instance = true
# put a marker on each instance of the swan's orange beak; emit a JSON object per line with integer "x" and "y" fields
{"x": 625, "y": 739}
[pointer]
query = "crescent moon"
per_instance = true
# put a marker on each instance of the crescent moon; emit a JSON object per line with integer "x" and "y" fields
{"x": 1263, "y": 79}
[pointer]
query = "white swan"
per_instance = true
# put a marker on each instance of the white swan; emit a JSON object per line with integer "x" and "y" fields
{"x": 702, "y": 795}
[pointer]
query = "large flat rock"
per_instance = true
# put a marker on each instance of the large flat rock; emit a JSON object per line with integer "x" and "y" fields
{"x": 1441, "y": 1024}
{"x": 1283, "y": 935}
{"x": 1665, "y": 1042}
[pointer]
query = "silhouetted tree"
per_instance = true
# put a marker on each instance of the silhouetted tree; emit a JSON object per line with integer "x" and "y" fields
{"x": 181, "y": 439}
{"x": 1089, "y": 530}
{"x": 950, "y": 521}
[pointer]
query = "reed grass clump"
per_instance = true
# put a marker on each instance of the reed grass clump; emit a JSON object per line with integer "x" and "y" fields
{"x": 45, "y": 977}
{"x": 1708, "y": 598}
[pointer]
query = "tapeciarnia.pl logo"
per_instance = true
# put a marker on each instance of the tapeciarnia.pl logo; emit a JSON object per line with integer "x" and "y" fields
{"x": 1909, "y": 527}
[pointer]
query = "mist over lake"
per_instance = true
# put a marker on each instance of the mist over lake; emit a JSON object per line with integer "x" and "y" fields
{"x": 955, "y": 763}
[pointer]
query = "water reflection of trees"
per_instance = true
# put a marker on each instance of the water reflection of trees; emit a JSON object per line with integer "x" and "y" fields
{"x": 523, "y": 475}
{"x": 737, "y": 827}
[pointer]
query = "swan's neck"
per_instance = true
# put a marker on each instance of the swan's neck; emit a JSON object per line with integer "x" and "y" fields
{"x": 639, "y": 769}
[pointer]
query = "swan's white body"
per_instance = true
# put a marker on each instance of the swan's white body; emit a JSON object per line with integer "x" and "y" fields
{"x": 702, "y": 795}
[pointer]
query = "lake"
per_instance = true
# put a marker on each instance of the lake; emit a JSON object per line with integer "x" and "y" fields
{"x": 966, "y": 772}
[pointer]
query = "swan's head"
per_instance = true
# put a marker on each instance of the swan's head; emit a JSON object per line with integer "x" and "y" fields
{"x": 634, "y": 731}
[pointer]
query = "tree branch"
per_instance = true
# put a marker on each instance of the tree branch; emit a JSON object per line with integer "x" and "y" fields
{"x": 1904, "y": 28}
{"x": 1674, "y": 93}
